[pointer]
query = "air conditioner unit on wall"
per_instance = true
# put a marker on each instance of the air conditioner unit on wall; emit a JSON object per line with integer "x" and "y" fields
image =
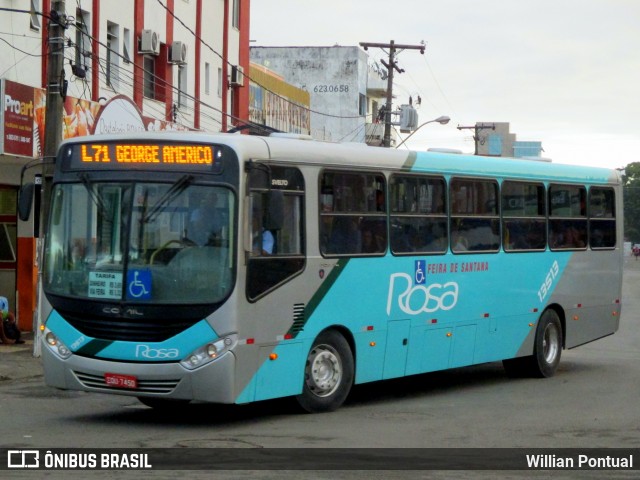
{"x": 237, "y": 76}
{"x": 178, "y": 54}
{"x": 149, "y": 43}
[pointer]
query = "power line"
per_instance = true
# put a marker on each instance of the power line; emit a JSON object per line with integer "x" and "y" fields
{"x": 173, "y": 88}
{"x": 246, "y": 75}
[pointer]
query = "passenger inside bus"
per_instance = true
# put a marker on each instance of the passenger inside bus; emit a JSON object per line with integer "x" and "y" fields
{"x": 345, "y": 236}
{"x": 570, "y": 237}
{"x": 263, "y": 239}
{"x": 205, "y": 222}
{"x": 372, "y": 240}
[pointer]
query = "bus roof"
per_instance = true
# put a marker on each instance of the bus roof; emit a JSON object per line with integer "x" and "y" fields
{"x": 336, "y": 155}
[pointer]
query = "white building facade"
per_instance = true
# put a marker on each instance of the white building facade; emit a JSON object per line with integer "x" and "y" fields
{"x": 344, "y": 91}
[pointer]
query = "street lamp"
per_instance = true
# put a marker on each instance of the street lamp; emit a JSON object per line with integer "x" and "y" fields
{"x": 443, "y": 120}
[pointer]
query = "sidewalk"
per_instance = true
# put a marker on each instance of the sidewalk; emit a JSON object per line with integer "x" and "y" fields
{"x": 17, "y": 361}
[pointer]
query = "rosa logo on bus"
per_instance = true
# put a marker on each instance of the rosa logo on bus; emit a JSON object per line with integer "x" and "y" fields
{"x": 413, "y": 296}
{"x": 150, "y": 353}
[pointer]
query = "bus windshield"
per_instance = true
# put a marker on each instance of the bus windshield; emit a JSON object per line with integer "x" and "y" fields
{"x": 154, "y": 243}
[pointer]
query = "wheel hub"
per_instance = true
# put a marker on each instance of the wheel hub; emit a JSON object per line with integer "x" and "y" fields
{"x": 324, "y": 371}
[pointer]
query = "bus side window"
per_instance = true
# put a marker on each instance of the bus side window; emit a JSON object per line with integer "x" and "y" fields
{"x": 567, "y": 217}
{"x": 523, "y": 216}
{"x": 418, "y": 214}
{"x": 475, "y": 224}
{"x": 352, "y": 209}
{"x": 602, "y": 221}
{"x": 277, "y": 230}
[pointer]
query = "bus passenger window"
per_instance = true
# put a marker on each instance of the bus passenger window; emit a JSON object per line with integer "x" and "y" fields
{"x": 352, "y": 209}
{"x": 523, "y": 216}
{"x": 568, "y": 217}
{"x": 602, "y": 222}
{"x": 475, "y": 224}
{"x": 418, "y": 215}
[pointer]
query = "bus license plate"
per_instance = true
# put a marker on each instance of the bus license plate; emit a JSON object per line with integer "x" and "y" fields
{"x": 116, "y": 380}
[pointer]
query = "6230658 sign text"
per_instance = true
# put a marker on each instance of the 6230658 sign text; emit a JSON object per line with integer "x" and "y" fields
{"x": 331, "y": 89}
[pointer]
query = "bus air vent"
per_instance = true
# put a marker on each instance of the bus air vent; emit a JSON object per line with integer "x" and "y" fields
{"x": 298, "y": 319}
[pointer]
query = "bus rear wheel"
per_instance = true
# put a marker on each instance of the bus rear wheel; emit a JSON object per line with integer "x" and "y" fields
{"x": 547, "y": 350}
{"x": 328, "y": 373}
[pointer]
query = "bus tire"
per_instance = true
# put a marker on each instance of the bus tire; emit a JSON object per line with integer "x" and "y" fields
{"x": 547, "y": 350}
{"x": 548, "y": 347}
{"x": 328, "y": 373}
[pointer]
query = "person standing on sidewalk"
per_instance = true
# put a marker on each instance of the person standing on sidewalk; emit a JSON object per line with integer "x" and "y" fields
{"x": 9, "y": 332}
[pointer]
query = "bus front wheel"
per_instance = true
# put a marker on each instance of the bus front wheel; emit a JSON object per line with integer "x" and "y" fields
{"x": 547, "y": 350}
{"x": 328, "y": 373}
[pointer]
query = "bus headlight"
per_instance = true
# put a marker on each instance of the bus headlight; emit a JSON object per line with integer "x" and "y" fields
{"x": 208, "y": 353}
{"x": 56, "y": 346}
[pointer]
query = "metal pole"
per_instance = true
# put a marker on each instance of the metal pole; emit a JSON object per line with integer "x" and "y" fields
{"x": 56, "y": 91}
{"x": 387, "y": 112}
{"x": 391, "y": 66}
{"x": 56, "y": 83}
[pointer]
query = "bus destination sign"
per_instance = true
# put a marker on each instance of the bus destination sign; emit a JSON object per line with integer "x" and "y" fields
{"x": 151, "y": 156}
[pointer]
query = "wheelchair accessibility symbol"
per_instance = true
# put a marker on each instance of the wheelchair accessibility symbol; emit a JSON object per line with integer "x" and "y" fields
{"x": 419, "y": 275}
{"x": 139, "y": 284}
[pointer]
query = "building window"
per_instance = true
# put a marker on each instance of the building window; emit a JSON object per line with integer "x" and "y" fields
{"x": 126, "y": 45}
{"x": 8, "y": 229}
{"x": 495, "y": 145}
{"x": 207, "y": 78}
{"x": 113, "y": 57}
{"x": 34, "y": 11}
{"x": 149, "y": 76}
{"x": 220, "y": 82}
{"x": 236, "y": 14}
{"x": 83, "y": 40}
{"x": 182, "y": 86}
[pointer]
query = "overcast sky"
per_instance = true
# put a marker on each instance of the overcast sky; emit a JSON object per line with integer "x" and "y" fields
{"x": 565, "y": 72}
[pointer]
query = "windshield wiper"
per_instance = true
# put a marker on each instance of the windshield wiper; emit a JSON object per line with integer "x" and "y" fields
{"x": 176, "y": 189}
{"x": 94, "y": 196}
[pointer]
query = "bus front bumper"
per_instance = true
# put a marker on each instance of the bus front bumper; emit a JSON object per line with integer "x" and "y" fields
{"x": 213, "y": 382}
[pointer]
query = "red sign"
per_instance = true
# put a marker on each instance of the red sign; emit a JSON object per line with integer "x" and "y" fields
{"x": 24, "y": 119}
{"x": 24, "y": 109}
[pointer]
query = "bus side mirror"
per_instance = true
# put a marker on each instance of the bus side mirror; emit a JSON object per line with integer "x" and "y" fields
{"x": 25, "y": 201}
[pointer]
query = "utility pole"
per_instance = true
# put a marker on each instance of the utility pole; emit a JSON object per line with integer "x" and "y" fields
{"x": 56, "y": 92}
{"x": 56, "y": 83}
{"x": 476, "y": 136}
{"x": 391, "y": 66}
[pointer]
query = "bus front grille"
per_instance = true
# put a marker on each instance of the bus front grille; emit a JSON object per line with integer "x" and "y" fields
{"x": 129, "y": 330}
{"x": 144, "y": 386}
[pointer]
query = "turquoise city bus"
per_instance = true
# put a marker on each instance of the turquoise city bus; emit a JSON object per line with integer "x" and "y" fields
{"x": 232, "y": 269}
